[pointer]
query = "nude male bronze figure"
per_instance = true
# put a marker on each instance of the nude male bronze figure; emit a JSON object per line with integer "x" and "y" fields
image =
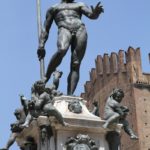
{"x": 71, "y": 32}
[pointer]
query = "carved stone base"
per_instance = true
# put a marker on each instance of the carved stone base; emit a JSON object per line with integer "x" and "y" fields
{"x": 83, "y": 131}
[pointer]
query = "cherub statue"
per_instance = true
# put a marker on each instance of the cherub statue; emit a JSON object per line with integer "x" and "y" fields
{"x": 15, "y": 128}
{"x": 115, "y": 112}
{"x": 41, "y": 104}
{"x": 112, "y": 110}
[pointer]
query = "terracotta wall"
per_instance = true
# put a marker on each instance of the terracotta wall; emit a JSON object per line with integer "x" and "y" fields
{"x": 123, "y": 70}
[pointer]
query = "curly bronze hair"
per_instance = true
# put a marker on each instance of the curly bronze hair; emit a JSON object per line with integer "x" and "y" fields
{"x": 116, "y": 91}
{"x": 37, "y": 85}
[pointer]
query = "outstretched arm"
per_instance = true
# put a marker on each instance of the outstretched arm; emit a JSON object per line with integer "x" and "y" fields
{"x": 24, "y": 102}
{"x": 11, "y": 141}
{"x": 45, "y": 32}
{"x": 94, "y": 12}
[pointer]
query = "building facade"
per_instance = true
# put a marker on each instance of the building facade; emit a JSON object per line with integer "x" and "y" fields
{"x": 123, "y": 70}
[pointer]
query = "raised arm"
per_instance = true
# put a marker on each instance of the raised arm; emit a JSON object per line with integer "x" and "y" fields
{"x": 11, "y": 141}
{"x": 94, "y": 12}
{"x": 45, "y": 32}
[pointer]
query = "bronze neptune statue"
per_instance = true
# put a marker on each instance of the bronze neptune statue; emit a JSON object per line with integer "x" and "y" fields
{"x": 71, "y": 33}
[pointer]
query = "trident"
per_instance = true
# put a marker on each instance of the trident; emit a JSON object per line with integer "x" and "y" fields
{"x": 39, "y": 23}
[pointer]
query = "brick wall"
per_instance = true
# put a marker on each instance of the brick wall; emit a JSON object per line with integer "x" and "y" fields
{"x": 123, "y": 70}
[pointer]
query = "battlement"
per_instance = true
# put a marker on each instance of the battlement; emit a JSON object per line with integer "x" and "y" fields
{"x": 93, "y": 75}
{"x": 123, "y": 67}
{"x": 87, "y": 86}
{"x": 121, "y": 62}
{"x": 123, "y": 70}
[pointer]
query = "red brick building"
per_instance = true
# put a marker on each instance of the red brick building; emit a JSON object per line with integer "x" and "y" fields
{"x": 123, "y": 70}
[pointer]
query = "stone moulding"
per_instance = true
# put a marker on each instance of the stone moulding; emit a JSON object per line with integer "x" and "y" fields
{"x": 83, "y": 123}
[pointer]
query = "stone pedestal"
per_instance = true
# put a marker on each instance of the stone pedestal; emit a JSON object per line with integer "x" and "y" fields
{"x": 82, "y": 131}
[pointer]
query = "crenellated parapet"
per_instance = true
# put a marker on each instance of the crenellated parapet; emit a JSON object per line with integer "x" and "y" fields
{"x": 123, "y": 67}
{"x": 93, "y": 75}
{"x": 123, "y": 70}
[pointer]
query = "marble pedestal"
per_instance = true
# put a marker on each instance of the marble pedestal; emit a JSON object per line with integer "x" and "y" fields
{"x": 83, "y": 123}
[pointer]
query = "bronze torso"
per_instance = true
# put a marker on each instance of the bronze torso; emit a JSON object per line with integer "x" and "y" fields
{"x": 68, "y": 15}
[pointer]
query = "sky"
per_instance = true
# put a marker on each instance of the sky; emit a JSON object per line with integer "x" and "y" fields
{"x": 124, "y": 23}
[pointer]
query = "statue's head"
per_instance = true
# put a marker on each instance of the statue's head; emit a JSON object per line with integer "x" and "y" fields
{"x": 81, "y": 141}
{"x": 18, "y": 113}
{"x": 118, "y": 95}
{"x": 39, "y": 86}
{"x": 75, "y": 106}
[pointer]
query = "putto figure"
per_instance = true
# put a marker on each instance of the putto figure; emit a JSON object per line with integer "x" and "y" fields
{"x": 71, "y": 32}
{"x": 114, "y": 112}
{"x": 41, "y": 104}
{"x": 15, "y": 127}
